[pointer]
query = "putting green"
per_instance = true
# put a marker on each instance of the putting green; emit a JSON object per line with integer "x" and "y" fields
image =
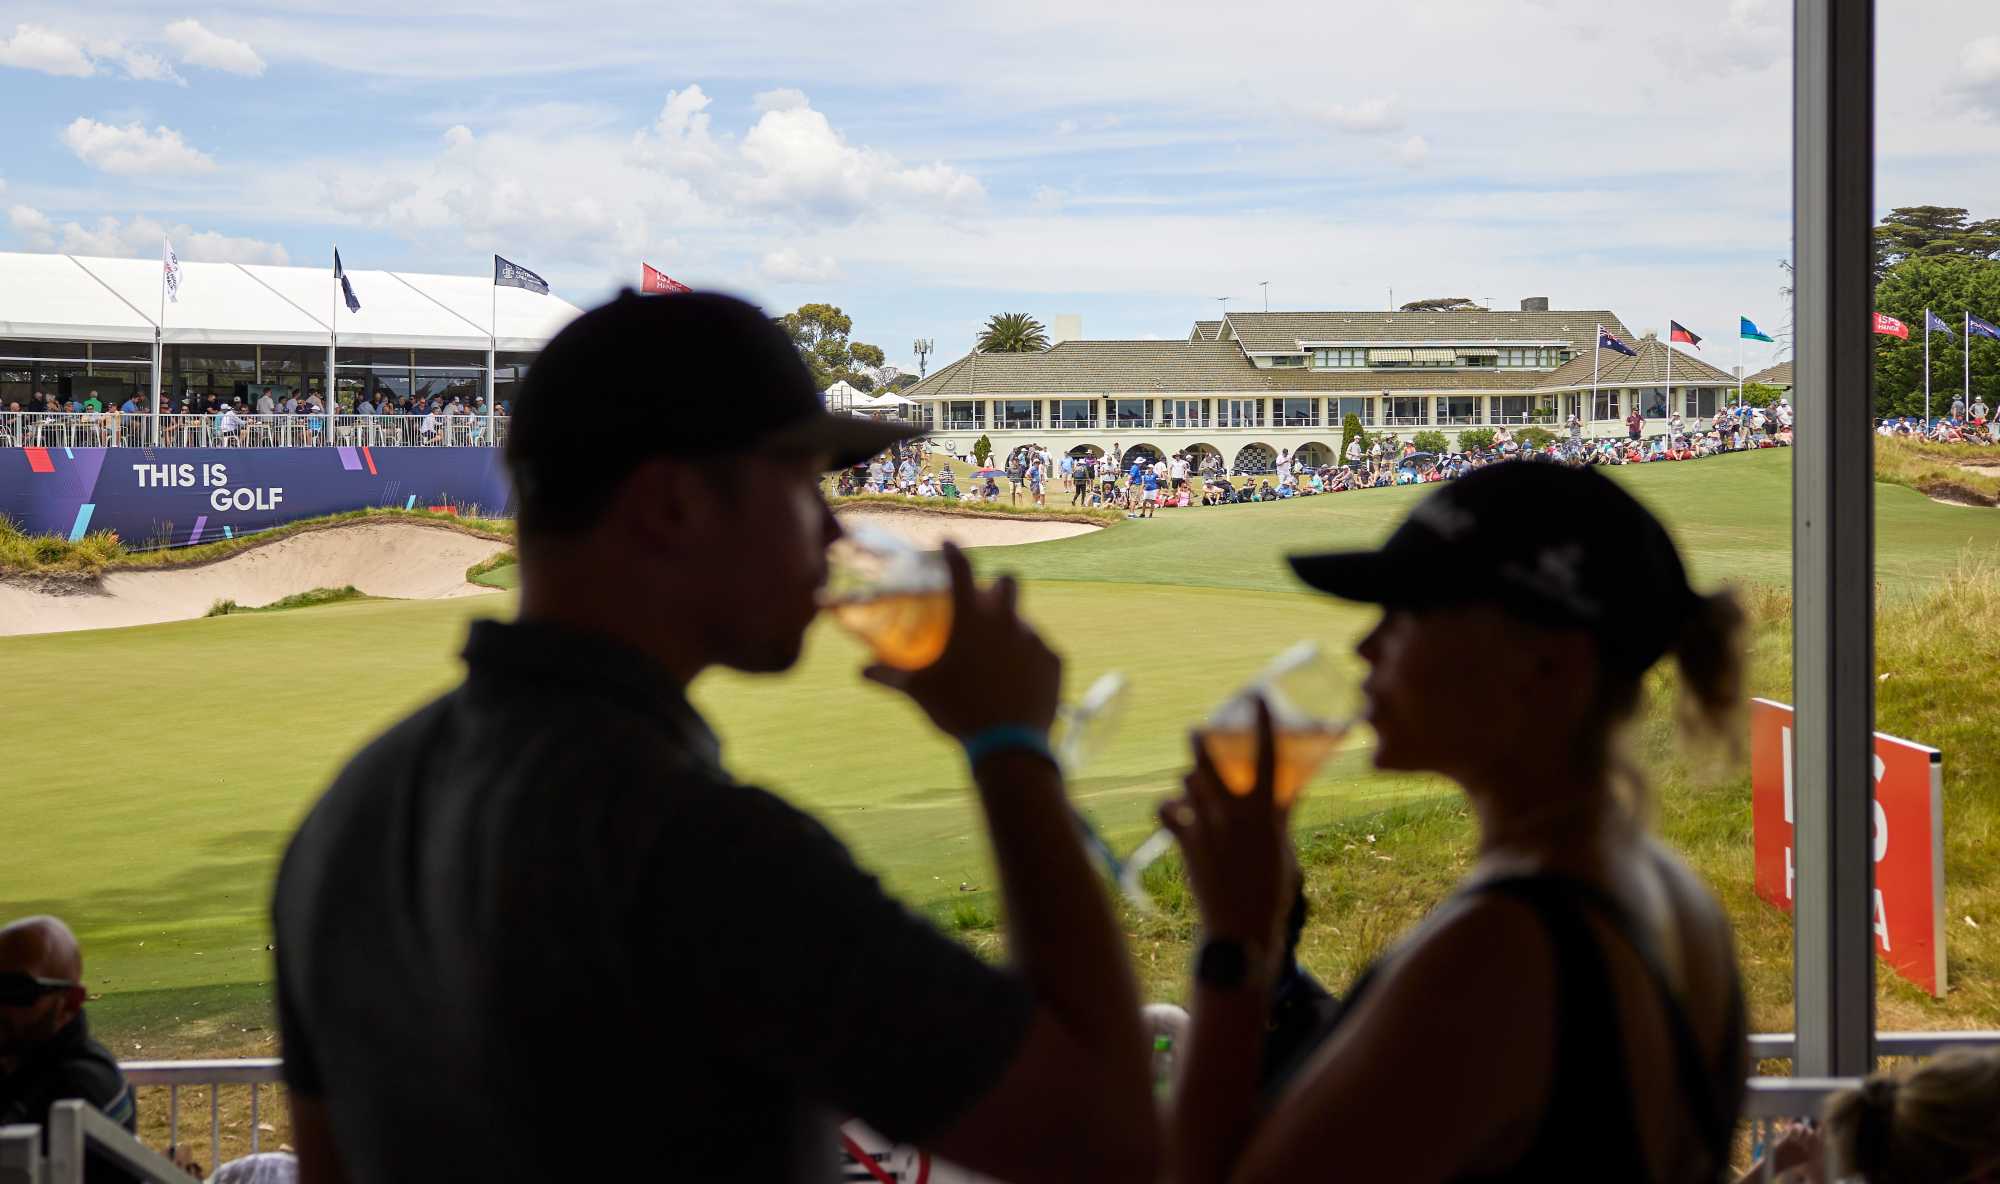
{"x": 166, "y": 765}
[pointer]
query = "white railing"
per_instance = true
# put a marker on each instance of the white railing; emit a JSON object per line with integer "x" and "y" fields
{"x": 174, "y": 1076}
{"x": 23, "y": 429}
{"x": 76, "y": 1130}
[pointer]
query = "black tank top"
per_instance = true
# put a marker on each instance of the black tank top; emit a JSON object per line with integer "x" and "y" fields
{"x": 1589, "y": 1126}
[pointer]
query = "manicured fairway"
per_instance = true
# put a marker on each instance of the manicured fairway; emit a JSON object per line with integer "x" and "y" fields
{"x": 161, "y": 769}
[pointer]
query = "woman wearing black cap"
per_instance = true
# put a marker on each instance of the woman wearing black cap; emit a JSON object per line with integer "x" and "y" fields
{"x": 1572, "y": 1010}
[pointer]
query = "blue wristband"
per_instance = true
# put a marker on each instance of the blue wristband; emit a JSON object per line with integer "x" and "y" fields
{"x": 1007, "y": 738}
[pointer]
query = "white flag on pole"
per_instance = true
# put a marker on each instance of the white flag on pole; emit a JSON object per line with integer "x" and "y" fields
{"x": 172, "y": 264}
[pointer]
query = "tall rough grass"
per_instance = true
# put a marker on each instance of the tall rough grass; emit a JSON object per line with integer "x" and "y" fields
{"x": 1935, "y": 469}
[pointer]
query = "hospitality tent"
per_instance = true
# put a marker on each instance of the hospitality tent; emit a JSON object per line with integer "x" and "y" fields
{"x": 72, "y": 312}
{"x": 79, "y": 298}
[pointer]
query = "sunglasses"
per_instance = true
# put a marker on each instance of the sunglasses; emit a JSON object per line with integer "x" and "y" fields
{"x": 20, "y": 989}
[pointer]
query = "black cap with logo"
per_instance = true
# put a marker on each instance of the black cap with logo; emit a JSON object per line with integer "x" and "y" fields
{"x": 1554, "y": 545}
{"x": 693, "y": 374}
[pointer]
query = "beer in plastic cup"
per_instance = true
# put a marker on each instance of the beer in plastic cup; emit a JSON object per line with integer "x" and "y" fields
{"x": 907, "y": 630}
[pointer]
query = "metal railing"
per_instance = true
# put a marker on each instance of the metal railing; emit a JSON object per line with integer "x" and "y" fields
{"x": 174, "y": 1076}
{"x": 111, "y": 429}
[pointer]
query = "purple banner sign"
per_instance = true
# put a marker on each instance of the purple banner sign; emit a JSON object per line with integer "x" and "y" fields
{"x": 175, "y": 496}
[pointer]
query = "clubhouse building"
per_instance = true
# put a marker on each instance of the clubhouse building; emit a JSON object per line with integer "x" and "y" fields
{"x": 1253, "y": 383}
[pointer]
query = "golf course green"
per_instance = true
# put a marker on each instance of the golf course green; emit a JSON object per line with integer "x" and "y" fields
{"x": 156, "y": 772}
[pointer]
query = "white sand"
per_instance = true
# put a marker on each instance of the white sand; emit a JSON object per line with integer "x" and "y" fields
{"x": 930, "y": 530}
{"x": 399, "y": 559}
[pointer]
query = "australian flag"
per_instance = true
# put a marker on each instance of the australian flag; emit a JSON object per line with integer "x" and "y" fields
{"x": 346, "y": 288}
{"x": 513, "y": 275}
{"x": 1606, "y": 341}
{"x": 1979, "y": 328}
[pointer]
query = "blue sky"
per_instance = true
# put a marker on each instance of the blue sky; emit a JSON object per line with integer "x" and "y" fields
{"x": 924, "y": 165}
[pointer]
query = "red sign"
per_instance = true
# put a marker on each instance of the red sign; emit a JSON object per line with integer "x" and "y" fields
{"x": 1908, "y": 911}
{"x": 652, "y": 279}
{"x": 1889, "y": 326}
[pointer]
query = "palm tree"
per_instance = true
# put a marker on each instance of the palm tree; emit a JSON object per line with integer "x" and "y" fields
{"x": 1013, "y": 333}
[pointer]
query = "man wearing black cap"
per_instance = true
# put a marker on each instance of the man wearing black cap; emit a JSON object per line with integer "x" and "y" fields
{"x": 536, "y": 931}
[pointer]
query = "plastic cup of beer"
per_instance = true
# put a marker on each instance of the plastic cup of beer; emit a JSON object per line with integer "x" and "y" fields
{"x": 890, "y": 593}
{"x": 1312, "y": 706}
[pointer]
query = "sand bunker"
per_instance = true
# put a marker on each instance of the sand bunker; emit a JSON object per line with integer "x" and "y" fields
{"x": 401, "y": 559}
{"x": 985, "y": 530}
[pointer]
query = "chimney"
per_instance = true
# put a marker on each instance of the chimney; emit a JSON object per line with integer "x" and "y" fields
{"x": 1066, "y": 326}
{"x": 1535, "y": 304}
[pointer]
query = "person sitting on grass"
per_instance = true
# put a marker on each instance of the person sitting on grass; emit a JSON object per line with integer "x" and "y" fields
{"x": 547, "y": 877}
{"x": 1585, "y": 969}
{"x": 47, "y": 1054}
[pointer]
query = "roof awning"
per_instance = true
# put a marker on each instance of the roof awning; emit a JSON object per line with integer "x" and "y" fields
{"x": 1433, "y": 355}
{"x": 1388, "y": 355}
{"x": 1477, "y": 351}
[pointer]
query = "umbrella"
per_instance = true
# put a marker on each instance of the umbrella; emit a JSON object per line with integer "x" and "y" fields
{"x": 996, "y": 474}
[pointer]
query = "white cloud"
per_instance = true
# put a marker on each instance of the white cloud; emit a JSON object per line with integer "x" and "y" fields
{"x": 199, "y": 46}
{"x": 1413, "y": 151}
{"x": 132, "y": 150}
{"x": 33, "y": 47}
{"x": 787, "y": 265}
{"x": 1979, "y": 73}
{"x": 798, "y": 160}
{"x": 138, "y": 236}
{"x": 1066, "y": 127}
{"x": 1048, "y": 197}
{"x": 1369, "y": 115}
{"x": 136, "y": 64}
{"x": 783, "y": 99}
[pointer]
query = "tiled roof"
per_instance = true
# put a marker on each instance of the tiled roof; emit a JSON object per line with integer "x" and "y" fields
{"x": 1204, "y": 330}
{"x": 1778, "y": 375}
{"x": 1278, "y": 332}
{"x": 1193, "y": 367}
{"x": 1615, "y": 369}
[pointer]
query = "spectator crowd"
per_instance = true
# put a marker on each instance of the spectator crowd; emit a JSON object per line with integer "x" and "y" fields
{"x": 1141, "y": 481}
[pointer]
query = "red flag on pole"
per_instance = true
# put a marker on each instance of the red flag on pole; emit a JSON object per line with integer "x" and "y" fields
{"x": 1889, "y": 326}
{"x": 1681, "y": 333}
{"x": 652, "y": 279}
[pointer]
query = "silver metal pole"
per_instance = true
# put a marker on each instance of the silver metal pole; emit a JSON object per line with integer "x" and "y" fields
{"x": 1833, "y": 537}
{"x": 492, "y": 352}
{"x": 1927, "y": 371}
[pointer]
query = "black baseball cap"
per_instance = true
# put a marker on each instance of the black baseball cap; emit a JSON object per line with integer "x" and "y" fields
{"x": 693, "y": 374}
{"x": 1554, "y": 545}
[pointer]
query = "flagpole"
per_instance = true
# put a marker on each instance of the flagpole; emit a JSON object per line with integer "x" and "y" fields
{"x": 159, "y": 343}
{"x": 1968, "y": 361}
{"x": 1597, "y": 361}
{"x": 333, "y": 351}
{"x": 1927, "y": 370}
{"x": 1667, "y": 404}
{"x": 492, "y": 354}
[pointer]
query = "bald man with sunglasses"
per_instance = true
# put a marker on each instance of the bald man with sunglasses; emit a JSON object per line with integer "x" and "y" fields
{"x": 46, "y": 1051}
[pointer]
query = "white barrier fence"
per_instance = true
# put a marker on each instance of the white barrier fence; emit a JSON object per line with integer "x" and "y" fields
{"x": 115, "y": 429}
{"x": 1771, "y": 1103}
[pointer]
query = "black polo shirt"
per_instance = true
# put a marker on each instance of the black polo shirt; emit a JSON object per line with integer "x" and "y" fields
{"x": 535, "y": 932}
{"x": 71, "y": 1065}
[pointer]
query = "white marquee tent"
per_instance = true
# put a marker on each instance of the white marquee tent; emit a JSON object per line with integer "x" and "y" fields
{"x": 75, "y": 298}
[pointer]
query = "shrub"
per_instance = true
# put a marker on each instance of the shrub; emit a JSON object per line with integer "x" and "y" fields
{"x": 1350, "y": 430}
{"x": 982, "y": 451}
{"x": 1475, "y": 438}
{"x": 1533, "y": 437}
{"x": 1430, "y": 440}
{"x": 1763, "y": 394}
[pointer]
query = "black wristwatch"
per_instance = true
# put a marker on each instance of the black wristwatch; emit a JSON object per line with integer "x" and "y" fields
{"x": 1223, "y": 963}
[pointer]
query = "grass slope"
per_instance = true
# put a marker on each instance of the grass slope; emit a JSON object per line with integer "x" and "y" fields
{"x": 164, "y": 862}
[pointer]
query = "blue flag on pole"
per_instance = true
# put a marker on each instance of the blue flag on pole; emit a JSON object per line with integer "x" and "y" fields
{"x": 513, "y": 275}
{"x": 1979, "y": 328}
{"x": 1935, "y": 324}
{"x": 1606, "y": 341}
{"x": 1750, "y": 332}
{"x": 346, "y": 288}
